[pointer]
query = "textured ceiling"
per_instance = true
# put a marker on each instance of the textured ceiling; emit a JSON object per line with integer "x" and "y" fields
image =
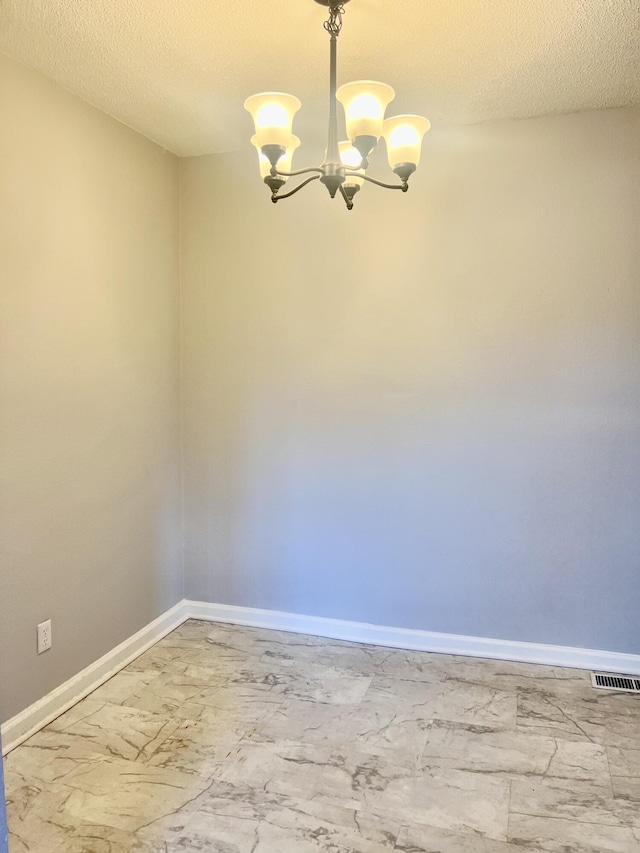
{"x": 179, "y": 70}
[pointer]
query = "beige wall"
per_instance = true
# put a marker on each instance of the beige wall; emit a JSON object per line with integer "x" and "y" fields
{"x": 423, "y": 413}
{"x": 89, "y": 383}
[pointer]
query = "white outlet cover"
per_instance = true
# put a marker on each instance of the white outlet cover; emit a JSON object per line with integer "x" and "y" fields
{"x": 44, "y": 636}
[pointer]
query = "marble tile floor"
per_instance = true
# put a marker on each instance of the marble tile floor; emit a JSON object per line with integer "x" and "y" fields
{"x": 239, "y": 740}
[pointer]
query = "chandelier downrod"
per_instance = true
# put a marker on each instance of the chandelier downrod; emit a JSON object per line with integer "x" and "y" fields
{"x": 332, "y": 177}
{"x": 344, "y": 165}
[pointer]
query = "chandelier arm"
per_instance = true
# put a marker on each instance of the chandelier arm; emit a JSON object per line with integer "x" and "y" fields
{"x": 276, "y": 172}
{"x": 275, "y": 198}
{"x": 346, "y": 198}
{"x": 404, "y": 186}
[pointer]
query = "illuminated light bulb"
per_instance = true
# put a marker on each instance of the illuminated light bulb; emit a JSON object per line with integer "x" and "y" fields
{"x": 352, "y": 159}
{"x": 403, "y": 135}
{"x": 365, "y": 102}
{"x": 272, "y": 114}
{"x": 365, "y": 106}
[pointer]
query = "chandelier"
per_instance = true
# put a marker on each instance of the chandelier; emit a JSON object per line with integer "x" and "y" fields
{"x": 345, "y": 163}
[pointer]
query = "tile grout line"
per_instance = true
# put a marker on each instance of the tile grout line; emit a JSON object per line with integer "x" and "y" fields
{"x": 509, "y": 812}
{"x": 606, "y": 754}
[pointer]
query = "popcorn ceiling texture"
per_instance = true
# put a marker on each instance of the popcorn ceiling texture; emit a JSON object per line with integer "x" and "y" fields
{"x": 179, "y": 70}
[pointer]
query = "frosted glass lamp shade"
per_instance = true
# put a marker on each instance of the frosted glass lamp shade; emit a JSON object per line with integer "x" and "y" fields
{"x": 272, "y": 114}
{"x": 285, "y": 161}
{"x": 352, "y": 160}
{"x": 403, "y": 135}
{"x": 365, "y": 102}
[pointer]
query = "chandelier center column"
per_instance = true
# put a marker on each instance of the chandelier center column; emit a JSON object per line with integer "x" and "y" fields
{"x": 333, "y": 176}
{"x": 333, "y": 154}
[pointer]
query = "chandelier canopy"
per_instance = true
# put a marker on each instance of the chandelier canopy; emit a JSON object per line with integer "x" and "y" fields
{"x": 345, "y": 163}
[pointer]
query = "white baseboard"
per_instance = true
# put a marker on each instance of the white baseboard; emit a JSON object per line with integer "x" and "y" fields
{"x": 36, "y": 716}
{"x": 40, "y": 713}
{"x": 423, "y": 641}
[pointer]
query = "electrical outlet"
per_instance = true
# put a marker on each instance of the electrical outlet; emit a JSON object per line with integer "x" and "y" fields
{"x": 44, "y": 636}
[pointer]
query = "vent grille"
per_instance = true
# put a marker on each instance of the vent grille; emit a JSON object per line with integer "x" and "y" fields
{"x": 626, "y": 683}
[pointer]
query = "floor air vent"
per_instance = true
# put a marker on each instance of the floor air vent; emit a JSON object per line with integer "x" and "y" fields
{"x": 616, "y": 682}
